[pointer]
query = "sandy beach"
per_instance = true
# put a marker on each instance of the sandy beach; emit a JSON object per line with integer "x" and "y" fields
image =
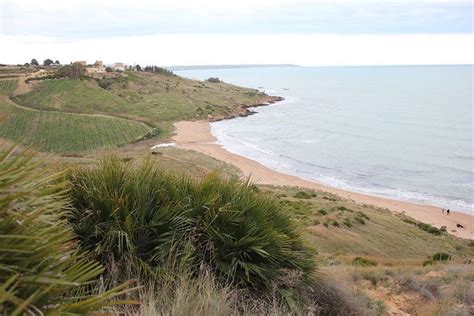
{"x": 197, "y": 136}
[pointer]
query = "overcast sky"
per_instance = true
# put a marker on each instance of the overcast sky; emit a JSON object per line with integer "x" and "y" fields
{"x": 179, "y": 32}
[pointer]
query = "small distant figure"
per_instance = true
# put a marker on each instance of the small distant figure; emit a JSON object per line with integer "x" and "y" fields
{"x": 447, "y": 211}
{"x": 459, "y": 226}
{"x": 442, "y": 211}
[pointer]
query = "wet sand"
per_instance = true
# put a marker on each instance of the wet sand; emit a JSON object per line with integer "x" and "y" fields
{"x": 197, "y": 136}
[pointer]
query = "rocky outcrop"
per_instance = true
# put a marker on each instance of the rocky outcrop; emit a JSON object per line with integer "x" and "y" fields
{"x": 245, "y": 109}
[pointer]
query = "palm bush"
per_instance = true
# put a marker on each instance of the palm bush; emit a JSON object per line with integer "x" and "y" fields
{"x": 40, "y": 269}
{"x": 128, "y": 219}
{"x": 138, "y": 217}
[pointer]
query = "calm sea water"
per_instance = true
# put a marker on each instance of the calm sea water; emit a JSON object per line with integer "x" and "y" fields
{"x": 404, "y": 132}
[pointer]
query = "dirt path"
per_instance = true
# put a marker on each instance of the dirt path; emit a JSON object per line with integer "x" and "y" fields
{"x": 22, "y": 87}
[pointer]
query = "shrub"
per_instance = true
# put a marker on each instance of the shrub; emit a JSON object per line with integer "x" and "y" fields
{"x": 41, "y": 78}
{"x": 159, "y": 70}
{"x": 322, "y": 212}
{"x": 360, "y": 220}
{"x": 430, "y": 229}
{"x": 42, "y": 272}
{"x": 363, "y": 215}
{"x": 343, "y": 208}
{"x": 335, "y": 224}
{"x": 104, "y": 83}
{"x": 72, "y": 71}
{"x": 137, "y": 217}
{"x": 302, "y": 195}
{"x": 214, "y": 80}
{"x": 441, "y": 256}
{"x": 347, "y": 222}
{"x": 410, "y": 221}
{"x": 364, "y": 262}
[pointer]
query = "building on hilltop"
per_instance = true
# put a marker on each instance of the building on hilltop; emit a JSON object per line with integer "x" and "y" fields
{"x": 119, "y": 67}
{"x": 97, "y": 67}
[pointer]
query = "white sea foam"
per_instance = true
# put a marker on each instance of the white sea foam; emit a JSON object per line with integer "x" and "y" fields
{"x": 163, "y": 145}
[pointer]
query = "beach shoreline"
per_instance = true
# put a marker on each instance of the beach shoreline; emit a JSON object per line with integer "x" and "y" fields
{"x": 197, "y": 136}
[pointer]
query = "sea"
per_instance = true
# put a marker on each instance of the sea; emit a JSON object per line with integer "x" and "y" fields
{"x": 402, "y": 132}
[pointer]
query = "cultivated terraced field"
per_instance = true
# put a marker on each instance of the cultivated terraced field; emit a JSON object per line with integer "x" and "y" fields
{"x": 7, "y": 86}
{"x": 65, "y": 132}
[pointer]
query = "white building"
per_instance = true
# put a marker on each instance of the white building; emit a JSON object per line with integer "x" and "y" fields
{"x": 118, "y": 67}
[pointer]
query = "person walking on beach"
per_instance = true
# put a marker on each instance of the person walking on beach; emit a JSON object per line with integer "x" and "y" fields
{"x": 447, "y": 211}
{"x": 442, "y": 211}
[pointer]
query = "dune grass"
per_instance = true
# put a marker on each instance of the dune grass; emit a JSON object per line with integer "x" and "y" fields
{"x": 64, "y": 132}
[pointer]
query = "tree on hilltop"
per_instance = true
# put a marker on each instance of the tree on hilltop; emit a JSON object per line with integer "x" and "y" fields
{"x": 47, "y": 62}
{"x": 138, "y": 68}
{"x": 57, "y": 62}
{"x": 73, "y": 71}
{"x": 34, "y": 62}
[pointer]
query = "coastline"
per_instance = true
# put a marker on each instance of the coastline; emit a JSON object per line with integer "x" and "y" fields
{"x": 197, "y": 136}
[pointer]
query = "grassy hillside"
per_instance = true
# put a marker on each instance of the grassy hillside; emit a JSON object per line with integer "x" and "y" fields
{"x": 7, "y": 86}
{"x": 156, "y": 99}
{"x": 63, "y": 132}
{"x": 346, "y": 230}
{"x": 77, "y": 96}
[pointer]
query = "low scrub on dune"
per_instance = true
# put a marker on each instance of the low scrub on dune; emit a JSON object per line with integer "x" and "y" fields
{"x": 41, "y": 269}
{"x": 133, "y": 219}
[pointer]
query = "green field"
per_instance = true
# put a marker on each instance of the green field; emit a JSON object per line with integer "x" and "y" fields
{"x": 7, "y": 86}
{"x": 65, "y": 132}
{"x": 75, "y": 96}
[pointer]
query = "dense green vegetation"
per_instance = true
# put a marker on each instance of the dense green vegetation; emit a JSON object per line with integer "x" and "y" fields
{"x": 7, "y": 86}
{"x": 134, "y": 219}
{"x": 65, "y": 132}
{"x": 41, "y": 269}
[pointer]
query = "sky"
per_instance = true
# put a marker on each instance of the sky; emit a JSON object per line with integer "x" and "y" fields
{"x": 179, "y": 32}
